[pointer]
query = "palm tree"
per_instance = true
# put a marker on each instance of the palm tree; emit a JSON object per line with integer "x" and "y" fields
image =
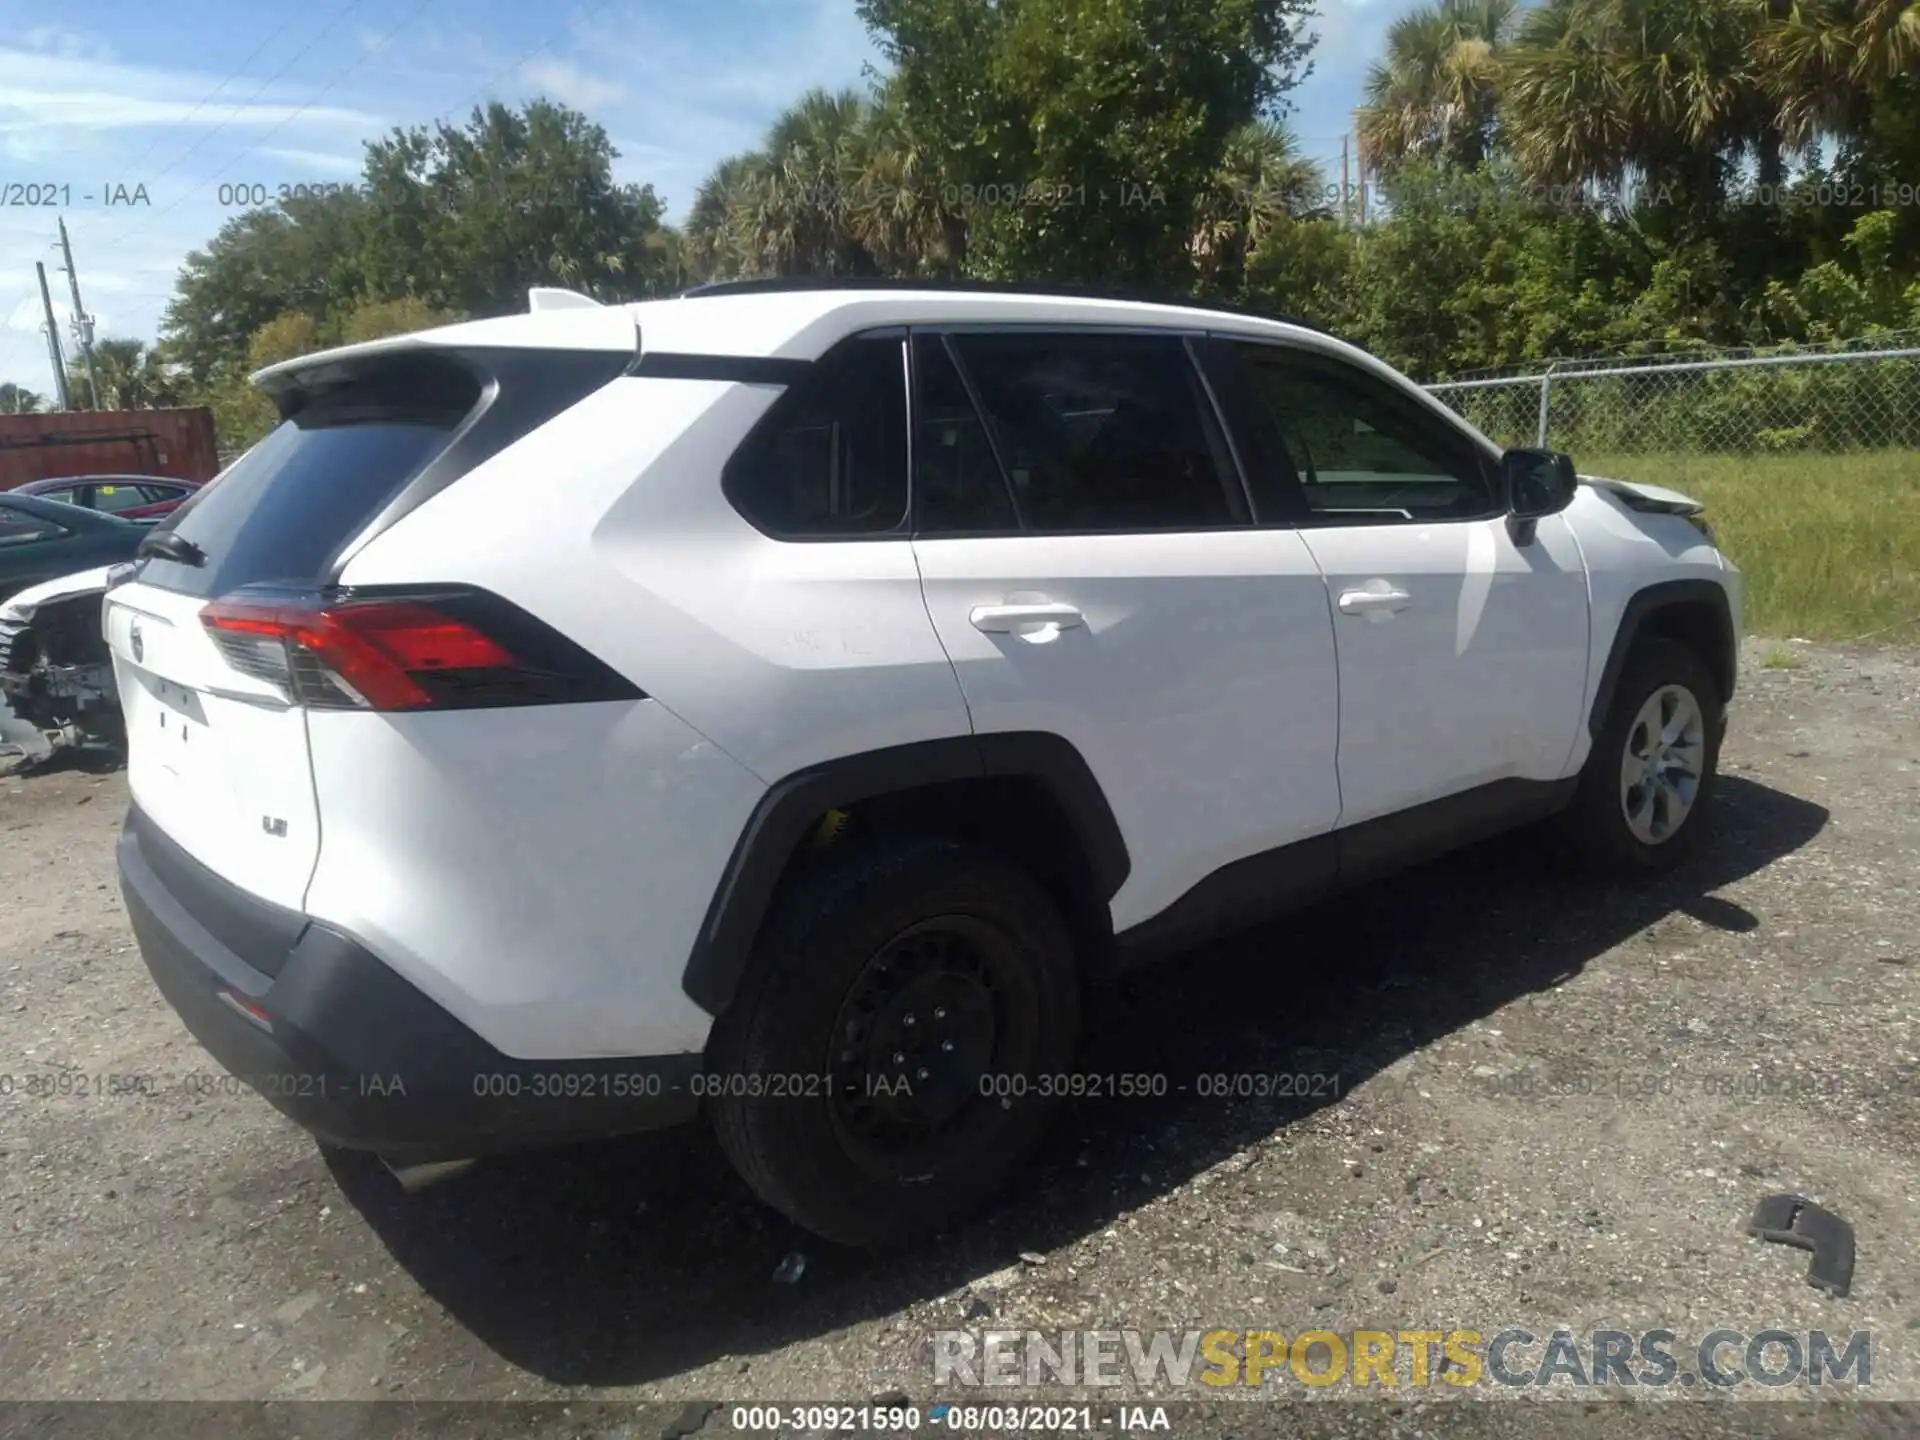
{"x": 1436, "y": 91}
{"x": 1826, "y": 61}
{"x": 842, "y": 185}
{"x": 1262, "y": 182}
{"x": 900, "y": 207}
{"x": 799, "y": 201}
{"x": 1886, "y": 41}
{"x": 129, "y": 376}
{"x": 715, "y": 247}
{"x": 18, "y": 400}
{"x": 1604, "y": 90}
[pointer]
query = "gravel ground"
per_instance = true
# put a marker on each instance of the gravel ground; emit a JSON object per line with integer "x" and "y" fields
{"x": 1557, "y": 1102}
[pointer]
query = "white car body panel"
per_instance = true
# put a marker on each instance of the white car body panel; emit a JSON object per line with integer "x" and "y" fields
{"x": 783, "y": 654}
{"x": 215, "y": 757}
{"x": 21, "y": 604}
{"x": 1477, "y": 679}
{"x": 1626, "y": 551}
{"x": 542, "y": 872}
{"x": 1199, "y": 687}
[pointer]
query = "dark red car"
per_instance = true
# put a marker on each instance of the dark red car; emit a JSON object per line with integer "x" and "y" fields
{"x": 131, "y": 497}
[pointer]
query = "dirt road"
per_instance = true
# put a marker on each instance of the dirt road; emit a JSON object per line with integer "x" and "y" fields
{"x": 1533, "y": 1101}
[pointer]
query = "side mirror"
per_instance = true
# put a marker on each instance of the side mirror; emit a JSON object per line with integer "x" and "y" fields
{"x": 1537, "y": 483}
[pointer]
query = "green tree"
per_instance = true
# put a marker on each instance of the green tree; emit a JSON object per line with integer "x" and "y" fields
{"x": 903, "y": 211}
{"x": 18, "y": 400}
{"x": 470, "y": 218}
{"x": 130, "y": 375}
{"x": 802, "y": 192}
{"x": 304, "y": 255}
{"x": 377, "y": 319}
{"x": 1087, "y": 133}
{"x": 1435, "y": 92}
{"x": 1262, "y": 183}
{"x": 718, "y": 246}
{"x": 1599, "y": 91}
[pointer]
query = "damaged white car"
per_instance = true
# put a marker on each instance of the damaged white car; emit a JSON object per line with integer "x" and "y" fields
{"x": 56, "y": 673}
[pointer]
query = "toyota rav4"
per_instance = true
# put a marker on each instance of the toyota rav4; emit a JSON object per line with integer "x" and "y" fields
{"x": 777, "y": 702}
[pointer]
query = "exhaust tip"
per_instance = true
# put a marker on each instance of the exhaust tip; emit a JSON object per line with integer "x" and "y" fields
{"x": 415, "y": 1178}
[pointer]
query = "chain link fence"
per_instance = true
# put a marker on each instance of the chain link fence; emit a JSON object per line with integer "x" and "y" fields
{"x": 1863, "y": 395}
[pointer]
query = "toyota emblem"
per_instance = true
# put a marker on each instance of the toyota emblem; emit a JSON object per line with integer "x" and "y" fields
{"x": 139, "y": 645}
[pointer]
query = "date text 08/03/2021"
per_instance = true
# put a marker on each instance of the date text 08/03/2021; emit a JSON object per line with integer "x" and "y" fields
{"x": 1008, "y": 1419}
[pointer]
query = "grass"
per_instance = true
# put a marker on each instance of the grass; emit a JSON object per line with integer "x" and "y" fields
{"x": 1779, "y": 657}
{"x": 1829, "y": 545}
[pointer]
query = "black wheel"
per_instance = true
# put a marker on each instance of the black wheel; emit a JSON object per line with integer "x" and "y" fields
{"x": 874, "y": 1077}
{"x": 1646, "y": 793}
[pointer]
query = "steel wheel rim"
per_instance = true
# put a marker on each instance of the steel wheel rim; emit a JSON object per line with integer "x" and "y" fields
{"x": 1662, "y": 764}
{"x": 954, "y": 964}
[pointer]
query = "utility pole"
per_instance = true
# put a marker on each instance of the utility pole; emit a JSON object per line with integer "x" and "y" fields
{"x": 53, "y": 339}
{"x": 1346, "y": 192}
{"x": 1360, "y": 163}
{"x": 82, "y": 321}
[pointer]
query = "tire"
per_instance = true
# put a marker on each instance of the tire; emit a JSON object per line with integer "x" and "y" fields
{"x": 858, "y": 959}
{"x": 1626, "y": 828}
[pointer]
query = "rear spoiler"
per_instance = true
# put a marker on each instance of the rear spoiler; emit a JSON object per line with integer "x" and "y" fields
{"x": 547, "y": 297}
{"x": 554, "y": 320}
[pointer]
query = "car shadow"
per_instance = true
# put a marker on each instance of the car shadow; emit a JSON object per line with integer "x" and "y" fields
{"x": 628, "y": 1262}
{"x": 62, "y": 759}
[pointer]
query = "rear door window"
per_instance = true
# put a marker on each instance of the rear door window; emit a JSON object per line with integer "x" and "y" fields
{"x": 1103, "y": 432}
{"x": 114, "y": 498}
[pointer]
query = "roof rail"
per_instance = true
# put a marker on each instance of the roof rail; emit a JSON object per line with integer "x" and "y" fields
{"x": 800, "y": 283}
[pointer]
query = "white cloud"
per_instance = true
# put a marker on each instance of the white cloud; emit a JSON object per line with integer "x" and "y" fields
{"x": 571, "y": 85}
{"x": 691, "y": 105}
{"x": 41, "y": 90}
{"x": 68, "y": 43}
{"x": 327, "y": 162}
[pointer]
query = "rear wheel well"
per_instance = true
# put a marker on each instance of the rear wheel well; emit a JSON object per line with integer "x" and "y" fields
{"x": 1017, "y": 816}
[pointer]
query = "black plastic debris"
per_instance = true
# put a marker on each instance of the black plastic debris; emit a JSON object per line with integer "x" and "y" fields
{"x": 1795, "y": 1220}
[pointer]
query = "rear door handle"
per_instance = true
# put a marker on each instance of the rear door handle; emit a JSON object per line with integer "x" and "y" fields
{"x": 1374, "y": 603}
{"x": 1029, "y": 619}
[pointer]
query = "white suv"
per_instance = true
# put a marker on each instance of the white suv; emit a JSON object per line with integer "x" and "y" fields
{"x": 777, "y": 702}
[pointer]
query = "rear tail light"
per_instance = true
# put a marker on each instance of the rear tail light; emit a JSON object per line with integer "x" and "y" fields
{"x": 446, "y": 649}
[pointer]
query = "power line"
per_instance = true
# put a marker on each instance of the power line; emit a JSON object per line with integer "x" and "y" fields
{"x": 279, "y": 30}
{"x": 114, "y": 242}
{"x": 592, "y": 11}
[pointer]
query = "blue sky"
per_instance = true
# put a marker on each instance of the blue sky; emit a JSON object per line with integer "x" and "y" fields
{"x": 185, "y": 98}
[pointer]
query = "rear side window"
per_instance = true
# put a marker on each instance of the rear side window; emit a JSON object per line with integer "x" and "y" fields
{"x": 285, "y": 509}
{"x": 1103, "y": 432}
{"x": 114, "y": 498}
{"x": 829, "y": 459}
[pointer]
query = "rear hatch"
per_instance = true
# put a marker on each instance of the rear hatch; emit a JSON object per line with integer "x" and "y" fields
{"x": 217, "y": 752}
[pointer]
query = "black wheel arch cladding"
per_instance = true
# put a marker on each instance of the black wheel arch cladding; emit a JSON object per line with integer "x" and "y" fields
{"x": 792, "y": 807}
{"x": 1650, "y": 611}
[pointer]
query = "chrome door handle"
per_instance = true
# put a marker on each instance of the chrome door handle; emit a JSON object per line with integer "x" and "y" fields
{"x": 1028, "y": 619}
{"x": 1380, "y": 603}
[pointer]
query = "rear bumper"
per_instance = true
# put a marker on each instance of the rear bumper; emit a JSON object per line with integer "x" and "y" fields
{"x": 348, "y": 1049}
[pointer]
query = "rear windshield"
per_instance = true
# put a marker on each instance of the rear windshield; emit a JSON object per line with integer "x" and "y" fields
{"x": 284, "y": 510}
